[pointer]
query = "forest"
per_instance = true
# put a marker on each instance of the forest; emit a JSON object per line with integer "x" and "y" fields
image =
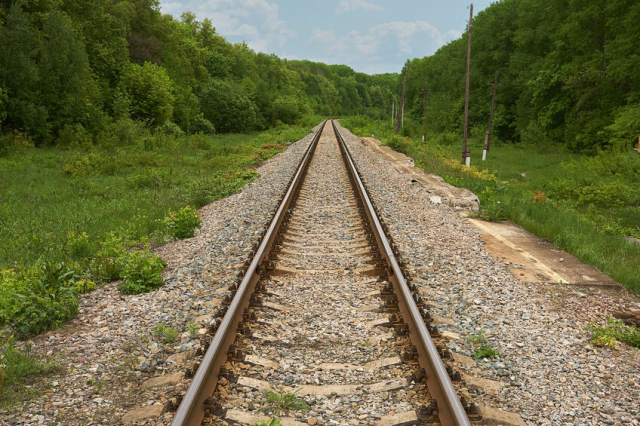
{"x": 70, "y": 70}
{"x": 569, "y": 73}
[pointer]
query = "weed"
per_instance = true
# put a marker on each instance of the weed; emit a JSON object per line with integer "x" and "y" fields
{"x": 612, "y": 332}
{"x": 273, "y": 421}
{"x": 97, "y": 385}
{"x": 283, "y": 402}
{"x": 17, "y": 365}
{"x": 192, "y": 328}
{"x": 142, "y": 272}
{"x": 183, "y": 223}
{"x": 477, "y": 337}
{"x": 165, "y": 334}
{"x": 38, "y": 299}
{"x": 484, "y": 352}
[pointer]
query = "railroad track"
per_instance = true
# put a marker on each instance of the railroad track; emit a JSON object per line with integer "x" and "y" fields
{"x": 323, "y": 310}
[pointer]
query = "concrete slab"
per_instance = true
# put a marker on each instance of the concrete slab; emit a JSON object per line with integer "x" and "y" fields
{"x": 541, "y": 261}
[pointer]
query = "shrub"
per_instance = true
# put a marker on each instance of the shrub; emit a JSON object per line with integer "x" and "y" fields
{"x": 75, "y": 136}
{"x": 283, "y": 402}
{"x": 146, "y": 92}
{"x": 227, "y": 107}
{"x": 183, "y": 222}
{"x": 142, "y": 272}
{"x": 171, "y": 129}
{"x": 203, "y": 126}
{"x": 614, "y": 331}
{"x": 126, "y": 132}
{"x": 41, "y": 298}
{"x": 109, "y": 260}
{"x": 79, "y": 165}
{"x": 78, "y": 245}
{"x": 484, "y": 352}
{"x": 165, "y": 334}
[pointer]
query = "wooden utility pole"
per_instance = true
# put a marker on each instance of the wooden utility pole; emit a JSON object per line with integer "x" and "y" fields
{"x": 466, "y": 158}
{"x": 426, "y": 92}
{"x": 401, "y": 111}
{"x": 487, "y": 138}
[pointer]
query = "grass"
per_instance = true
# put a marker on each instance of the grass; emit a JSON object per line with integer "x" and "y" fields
{"x": 49, "y": 196}
{"x": 19, "y": 368}
{"x": 584, "y": 205}
{"x": 278, "y": 403}
{"x": 612, "y": 332}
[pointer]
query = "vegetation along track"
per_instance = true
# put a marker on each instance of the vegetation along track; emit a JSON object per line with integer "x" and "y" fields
{"x": 324, "y": 310}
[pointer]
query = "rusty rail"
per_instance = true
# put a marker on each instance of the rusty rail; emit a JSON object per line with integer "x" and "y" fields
{"x": 450, "y": 409}
{"x": 192, "y": 408}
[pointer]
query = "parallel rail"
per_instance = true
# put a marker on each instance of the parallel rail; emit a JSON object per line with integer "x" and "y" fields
{"x": 450, "y": 409}
{"x": 192, "y": 408}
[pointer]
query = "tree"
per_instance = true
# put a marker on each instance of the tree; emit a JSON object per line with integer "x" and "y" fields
{"x": 64, "y": 71}
{"x": 145, "y": 93}
{"x": 227, "y": 108}
{"x": 19, "y": 75}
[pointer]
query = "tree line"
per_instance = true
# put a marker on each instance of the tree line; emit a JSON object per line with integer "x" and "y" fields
{"x": 569, "y": 69}
{"x": 69, "y": 69}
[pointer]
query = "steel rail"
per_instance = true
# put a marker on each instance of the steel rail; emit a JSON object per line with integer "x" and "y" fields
{"x": 450, "y": 409}
{"x": 192, "y": 408}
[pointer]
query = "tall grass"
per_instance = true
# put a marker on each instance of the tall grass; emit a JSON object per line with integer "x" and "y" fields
{"x": 49, "y": 197}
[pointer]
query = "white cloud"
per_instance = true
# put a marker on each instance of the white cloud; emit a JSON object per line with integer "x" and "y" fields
{"x": 323, "y": 36}
{"x": 256, "y": 21}
{"x": 370, "y": 49}
{"x": 353, "y": 5}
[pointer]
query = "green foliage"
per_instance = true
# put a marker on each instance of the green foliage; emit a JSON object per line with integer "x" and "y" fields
{"x": 202, "y": 126}
{"x": 145, "y": 93}
{"x": 227, "y": 107}
{"x": 192, "y": 328}
{"x": 19, "y": 364}
{"x": 484, "y": 352}
{"x": 109, "y": 260}
{"x": 182, "y": 224}
{"x": 478, "y": 337}
{"x": 273, "y": 421}
{"x": 63, "y": 70}
{"x": 279, "y": 403}
{"x": 171, "y": 129}
{"x": 612, "y": 332}
{"x": 165, "y": 334}
{"x": 560, "y": 86}
{"x": 142, "y": 272}
{"x": 38, "y": 299}
{"x": 79, "y": 165}
{"x": 75, "y": 136}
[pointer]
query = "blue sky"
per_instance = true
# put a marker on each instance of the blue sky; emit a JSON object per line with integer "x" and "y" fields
{"x": 372, "y": 36}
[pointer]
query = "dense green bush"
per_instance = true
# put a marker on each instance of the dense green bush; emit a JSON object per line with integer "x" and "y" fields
{"x": 109, "y": 260}
{"x": 80, "y": 165}
{"x": 227, "y": 107}
{"x": 75, "y": 136}
{"x": 171, "y": 129}
{"x": 145, "y": 93}
{"x": 142, "y": 272}
{"x": 203, "y": 126}
{"x": 183, "y": 223}
{"x": 41, "y": 298}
